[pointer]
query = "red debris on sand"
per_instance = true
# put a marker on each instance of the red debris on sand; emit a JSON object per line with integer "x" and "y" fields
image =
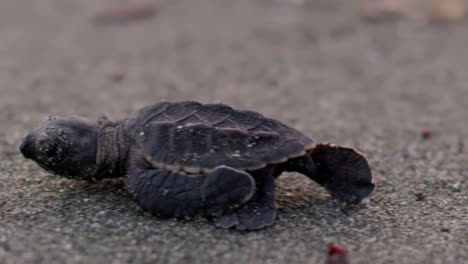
{"x": 426, "y": 134}
{"x": 447, "y": 10}
{"x": 382, "y": 10}
{"x": 125, "y": 14}
{"x": 336, "y": 255}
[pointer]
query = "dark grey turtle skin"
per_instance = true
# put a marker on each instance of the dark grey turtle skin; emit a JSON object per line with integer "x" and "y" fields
{"x": 185, "y": 159}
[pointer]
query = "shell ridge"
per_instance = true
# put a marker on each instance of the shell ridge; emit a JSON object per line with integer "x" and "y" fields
{"x": 185, "y": 117}
{"x": 260, "y": 123}
{"x": 200, "y": 118}
{"x": 221, "y": 120}
{"x": 160, "y": 111}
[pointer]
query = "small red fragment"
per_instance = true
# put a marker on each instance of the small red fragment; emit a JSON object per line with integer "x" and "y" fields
{"x": 336, "y": 255}
{"x": 426, "y": 134}
{"x": 125, "y": 14}
{"x": 382, "y": 10}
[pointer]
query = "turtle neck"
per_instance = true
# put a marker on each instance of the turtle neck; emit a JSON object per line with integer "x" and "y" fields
{"x": 112, "y": 150}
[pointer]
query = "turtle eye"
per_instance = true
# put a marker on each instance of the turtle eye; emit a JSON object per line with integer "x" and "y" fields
{"x": 52, "y": 151}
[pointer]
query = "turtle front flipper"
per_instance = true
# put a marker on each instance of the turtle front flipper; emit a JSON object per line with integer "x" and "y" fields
{"x": 344, "y": 172}
{"x": 260, "y": 211}
{"x": 175, "y": 194}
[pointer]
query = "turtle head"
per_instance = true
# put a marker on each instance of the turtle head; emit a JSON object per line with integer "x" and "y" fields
{"x": 64, "y": 146}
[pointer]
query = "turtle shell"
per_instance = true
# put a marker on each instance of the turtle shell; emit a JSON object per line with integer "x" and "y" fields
{"x": 193, "y": 137}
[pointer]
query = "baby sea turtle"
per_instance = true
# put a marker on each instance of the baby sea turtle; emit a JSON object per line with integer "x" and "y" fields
{"x": 185, "y": 159}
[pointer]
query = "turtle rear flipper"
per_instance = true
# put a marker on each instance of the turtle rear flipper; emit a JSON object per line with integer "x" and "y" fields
{"x": 260, "y": 211}
{"x": 344, "y": 172}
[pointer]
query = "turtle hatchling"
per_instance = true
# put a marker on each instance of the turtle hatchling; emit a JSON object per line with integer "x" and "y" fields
{"x": 184, "y": 159}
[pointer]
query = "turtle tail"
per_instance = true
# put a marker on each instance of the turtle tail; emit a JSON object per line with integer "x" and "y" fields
{"x": 344, "y": 172}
